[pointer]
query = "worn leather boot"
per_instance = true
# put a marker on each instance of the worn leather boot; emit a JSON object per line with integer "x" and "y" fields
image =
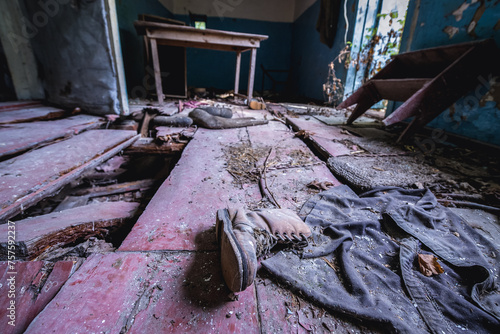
{"x": 244, "y": 236}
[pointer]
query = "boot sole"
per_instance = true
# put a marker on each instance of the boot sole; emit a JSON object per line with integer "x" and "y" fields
{"x": 233, "y": 259}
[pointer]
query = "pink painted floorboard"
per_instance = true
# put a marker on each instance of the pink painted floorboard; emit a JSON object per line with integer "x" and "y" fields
{"x": 20, "y": 137}
{"x": 181, "y": 215}
{"x": 33, "y": 291}
{"x": 324, "y": 136}
{"x": 148, "y": 293}
{"x": 18, "y": 105}
{"x": 29, "y": 114}
{"x": 26, "y": 173}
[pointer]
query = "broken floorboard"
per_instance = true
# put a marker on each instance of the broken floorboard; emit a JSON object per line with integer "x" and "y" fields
{"x": 182, "y": 211}
{"x": 323, "y": 138}
{"x": 20, "y": 137}
{"x": 35, "y": 284}
{"x": 149, "y": 293}
{"x": 30, "y": 114}
{"x": 28, "y": 178}
{"x": 36, "y": 234}
{"x": 181, "y": 215}
{"x": 114, "y": 189}
{"x": 147, "y": 146}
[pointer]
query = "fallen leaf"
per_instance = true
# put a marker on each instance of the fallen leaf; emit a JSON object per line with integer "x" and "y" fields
{"x": 428, "y": 265}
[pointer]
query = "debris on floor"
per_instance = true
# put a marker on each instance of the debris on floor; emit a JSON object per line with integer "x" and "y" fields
{"x": 141, "y": 212}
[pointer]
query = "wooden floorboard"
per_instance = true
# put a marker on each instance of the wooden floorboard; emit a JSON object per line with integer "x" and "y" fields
{"x": 181, "y": 215}
{"x": 321, "y": 137}
{"x": 182, "y": 212}
{"x": 149, "y": 293}
{"x": 36, "y": 283}
{"x": 30, "y": 114}
{"x": 36, "y": 234}
{"x": 28, "y": 178}
{"x": 11, "y": 105}
{"x": 20, "y": 137}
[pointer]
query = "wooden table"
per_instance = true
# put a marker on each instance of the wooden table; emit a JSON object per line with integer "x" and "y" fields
{"x": 184, "y": 36}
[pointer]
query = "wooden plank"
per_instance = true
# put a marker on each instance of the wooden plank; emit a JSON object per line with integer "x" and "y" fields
{"x": 251, "y": 73}
{"x": 156, "y": 66}
{"x": 113, "y": 189}
{"x": 70, "y": 202}
{"x": 27, "y": 179}
{"x": 11, "y": 105}
{"x": 398, "y": 89}
{"x": 150, "y": 147}
{"x": 30, "y": 115}
{"x": 36, "y": 283}
{"x": 323, "y": 138}
{"x": 36, "y": 234}
{"x": 15, "y": 138}
{"x": 182, "y": 211}
{"x": 237, "y": 74}
{"x": 148, "y": 293}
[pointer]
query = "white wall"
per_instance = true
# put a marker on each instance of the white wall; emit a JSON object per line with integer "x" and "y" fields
{"x": 261, "y": 10}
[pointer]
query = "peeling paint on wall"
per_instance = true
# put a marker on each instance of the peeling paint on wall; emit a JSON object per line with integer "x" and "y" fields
{"x": 493, "y": 94}
{"x": 477, "y": 16}
{"x": 451, "y": 31}
{"x": 460, "y": 11}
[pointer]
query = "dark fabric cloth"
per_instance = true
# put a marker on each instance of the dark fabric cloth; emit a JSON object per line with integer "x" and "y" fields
{"x": 327, "y": 20}
{"x": 372, "y": 242}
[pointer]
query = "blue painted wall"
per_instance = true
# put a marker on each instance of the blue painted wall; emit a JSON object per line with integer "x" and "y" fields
{"x": 210, "y": 68}
{"x": 471, "y": 116}
{"x": 133, "y": 44}
{"x": 310, "y": 58}
{"x": 205, "y": 68}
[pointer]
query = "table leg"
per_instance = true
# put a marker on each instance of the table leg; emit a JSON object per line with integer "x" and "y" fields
{"x": 251, "y": 73}
{"x": 237, "y": 75}
{"x": 156, "y": 65}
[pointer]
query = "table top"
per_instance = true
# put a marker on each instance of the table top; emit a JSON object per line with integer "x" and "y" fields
{"x": 186, "y": 36}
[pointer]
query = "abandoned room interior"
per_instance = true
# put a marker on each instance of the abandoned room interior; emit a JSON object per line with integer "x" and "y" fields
{"x": 237, "y": 166}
